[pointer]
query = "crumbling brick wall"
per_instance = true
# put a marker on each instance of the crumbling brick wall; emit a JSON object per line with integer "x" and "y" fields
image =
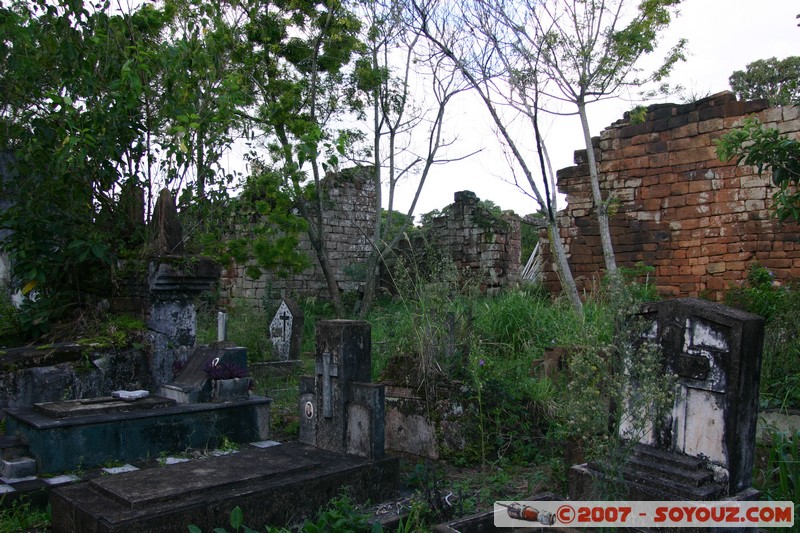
{"x": 699, "y": 221}
{"x": 347, "y": 212}
{"x": 483, "y": 247}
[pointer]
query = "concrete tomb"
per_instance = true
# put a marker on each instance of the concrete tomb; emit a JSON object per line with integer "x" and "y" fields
{"x": 704, "y": 448}
{"x": 277, "y": 485}
{"x": 340, "y": 409}
{"x": 342, "y": 434}
{"x": 196, "y": 411}
{"x": 286, "y": 331}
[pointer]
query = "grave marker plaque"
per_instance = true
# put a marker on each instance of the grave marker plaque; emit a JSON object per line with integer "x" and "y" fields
{"x": 286, "y": 330}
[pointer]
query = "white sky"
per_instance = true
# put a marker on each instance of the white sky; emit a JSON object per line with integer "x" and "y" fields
{"x": 723, "y": 35}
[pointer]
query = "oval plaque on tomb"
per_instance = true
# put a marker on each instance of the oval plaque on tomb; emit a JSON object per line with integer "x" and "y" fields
{"x": 309, "y": 410}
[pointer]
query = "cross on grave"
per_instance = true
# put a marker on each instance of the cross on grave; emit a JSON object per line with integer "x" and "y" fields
{"x": 285, "y": 318}
{"x": 327, "y": 369}
{"x": 286, "y": 331}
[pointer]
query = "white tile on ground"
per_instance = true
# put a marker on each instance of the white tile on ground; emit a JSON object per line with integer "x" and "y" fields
{"x": 120, "y": 469}
{"x": 265, "y": 444}
{"x": 175, "y": 460}
{"x": 5, "y": 489}
{"x": 219, "y": 453}
{"x": 60, "y": 480}
{"x": 16, "y": 479}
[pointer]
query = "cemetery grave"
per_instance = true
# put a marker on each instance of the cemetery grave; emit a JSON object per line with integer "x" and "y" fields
{"x": 347, "y": 422}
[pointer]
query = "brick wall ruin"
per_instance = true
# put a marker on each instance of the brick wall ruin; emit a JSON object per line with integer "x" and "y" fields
{"x": 350, "y": 200}
{"x": 482, "y": 246}
{"x": 486, "y": 247}
{"x": 700, "y": 222}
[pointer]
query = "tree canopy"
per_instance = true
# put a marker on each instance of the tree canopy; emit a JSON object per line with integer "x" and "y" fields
{"x": 776, "y": 80}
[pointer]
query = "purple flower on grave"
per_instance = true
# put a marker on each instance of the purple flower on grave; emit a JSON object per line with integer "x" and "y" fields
{"x": 481, "y": 362}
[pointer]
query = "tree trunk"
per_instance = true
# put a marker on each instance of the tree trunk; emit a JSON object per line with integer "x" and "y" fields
{"x": 562, "y": 266}
{"x": 600, "y": 206}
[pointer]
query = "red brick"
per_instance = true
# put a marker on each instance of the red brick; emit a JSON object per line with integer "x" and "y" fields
{"x": 635, "y": 162}
{"x": 697, "y": 198}
{"x": 700, "y": 186}
{"x": 660, "y": 191}
{"x": 713, "y": 249}
{"x": 727, "y": 195}
{"x": 679, "y": 188}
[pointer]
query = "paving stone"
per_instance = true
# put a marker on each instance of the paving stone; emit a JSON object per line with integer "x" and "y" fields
{"x": 175, "y": 460}
{"x": 265, "y": 444}
{"x": 60, "y": 480}
{"x": 120, "y": 469}
{"x": 12, "y": 480}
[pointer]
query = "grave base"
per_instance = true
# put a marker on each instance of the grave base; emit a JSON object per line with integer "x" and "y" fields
{"x": 587, "y": 483}
{"x": 278, "y": 486}
{"x": 69, "y": 443}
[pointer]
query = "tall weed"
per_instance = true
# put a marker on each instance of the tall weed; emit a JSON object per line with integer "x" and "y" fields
{"x": 779, "y": 304}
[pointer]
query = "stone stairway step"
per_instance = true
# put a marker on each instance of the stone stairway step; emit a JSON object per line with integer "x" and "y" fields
{"x": 690, "y": 476}
{"x": 677, "y": 491}
{"x": 664, "y": 457}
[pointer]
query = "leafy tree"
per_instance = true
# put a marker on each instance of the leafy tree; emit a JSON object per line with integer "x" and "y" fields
{"x": 295, "y": 55}
{"x": 777, "y": 80}
{"x": 472, "y": 38}
{"x": 766, "y": 149}
{"x": 406, "y": 132}
{"x": 590, "y": 51}
{"x": 72, "y": 118}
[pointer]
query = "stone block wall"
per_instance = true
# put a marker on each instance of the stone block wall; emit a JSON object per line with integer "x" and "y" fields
{"x": 347, "y": 212}
{"x": 699, "y": 221}
{"x": 482, "y": 246}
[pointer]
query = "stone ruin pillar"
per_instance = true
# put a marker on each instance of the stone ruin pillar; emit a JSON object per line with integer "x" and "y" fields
{"x": 174, "y": 280}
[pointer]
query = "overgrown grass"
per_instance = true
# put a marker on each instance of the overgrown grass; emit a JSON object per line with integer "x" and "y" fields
{"x": 23, "y": 516}
{"x": 779, "y": 478}
{"x": 779, "y": 304}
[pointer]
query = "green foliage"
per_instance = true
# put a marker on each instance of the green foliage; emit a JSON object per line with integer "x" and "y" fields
{"x": 766, "y": 149}
{"x": 778, "y": 304}
{"x": 776, "y": 80}
{"x": 779, "y": 478}
{"x": 529, "y": 234}
{"x": 247, "y": 326}
{"x": 339, "y": 515}
{"x": 22, "y": 516}
{"x": 267, "y": 228}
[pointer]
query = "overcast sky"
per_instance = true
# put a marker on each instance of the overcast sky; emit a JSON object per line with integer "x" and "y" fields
{"x": 723, "y": 35}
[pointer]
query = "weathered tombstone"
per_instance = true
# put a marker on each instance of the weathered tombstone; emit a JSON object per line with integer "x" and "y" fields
{"x": 174, "y": 282}
{"x": 340, "y": 410}
{"x": 286, "y": 330}
{"x": 704, "y": 449}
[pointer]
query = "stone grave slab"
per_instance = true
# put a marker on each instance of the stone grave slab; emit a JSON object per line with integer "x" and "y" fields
{"x": 704, "y": 448}
{"x": 278, "y": 486}
{"x": 98, "y": 406}
{"x": 143, "y": 490}
{"x": 286, "y": 331}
